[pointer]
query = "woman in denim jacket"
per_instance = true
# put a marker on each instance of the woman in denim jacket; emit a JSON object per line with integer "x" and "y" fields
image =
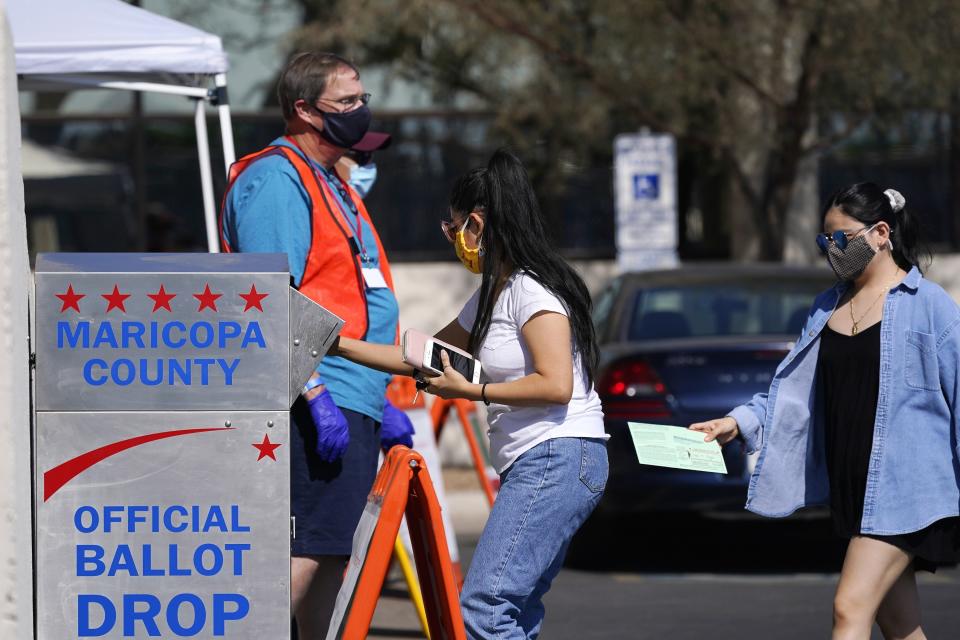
{"x": 862, "y": 415}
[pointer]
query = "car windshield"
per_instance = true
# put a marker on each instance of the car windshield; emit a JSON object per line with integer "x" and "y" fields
{"x": 763, "y": 308}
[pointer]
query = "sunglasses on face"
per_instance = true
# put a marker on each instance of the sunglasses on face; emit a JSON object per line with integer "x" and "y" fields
{"x": 449, "y": 228}
{"x": 839, "y": 238}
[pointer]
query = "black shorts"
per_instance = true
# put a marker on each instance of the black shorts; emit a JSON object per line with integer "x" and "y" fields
{"x": 327, "y": 498}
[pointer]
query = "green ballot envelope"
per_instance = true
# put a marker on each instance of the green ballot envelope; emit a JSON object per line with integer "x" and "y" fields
{"x": 668, "y": 446}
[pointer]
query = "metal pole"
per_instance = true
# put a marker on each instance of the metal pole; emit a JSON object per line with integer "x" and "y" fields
{"x": 50, "y": 80}
{"x": 226, "y": 124}
{"x": 206, "y": 177}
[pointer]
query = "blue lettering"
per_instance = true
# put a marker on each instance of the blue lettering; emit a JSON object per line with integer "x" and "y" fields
{"x": 131, "y": 615}
{"x": 195, "y": 334}
{"x": 84, "y": 629}
{"x": 182, "y": 369}
{"x": 123, "y": 561}
{"x": 173, "y": 559}
{"x": 215, "y": 519}
{"x": 253, "y": 335}
{"x": 199, "y": 565}
{"x": 94, "y": 519}
{"x": 111, "y": 515}
{"x": 168, "y": 340}
{"x": 88, "y": 372}
{"x": 131, "y": 373}
{"x": 90, "y": 554}
{"x": 228, "y": 330}
{"x": 132, "y": 332}
{"x": 145, "y": 376}
{"x": 204, "y": 369}
{"x": 133, "y": 519}
{"x": 237, "y": 550}
{"x": 168, "y": 519}
{"x": 153, "y": 334}
{"x": 228, "y": 369}
{"x": 148, "y": 569}
{"x": 79, "y": 335}
{"x": 173, "y": 614}
{"x": 235, "y": 520}
{"x": 220, "y": 613}
{"x": 105, "y": 335}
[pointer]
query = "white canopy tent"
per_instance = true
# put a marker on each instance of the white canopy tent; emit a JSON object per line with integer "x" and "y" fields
{"x": 108, "y": 44}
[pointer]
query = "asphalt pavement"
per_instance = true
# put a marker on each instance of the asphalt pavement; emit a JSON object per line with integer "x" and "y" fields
{"x": 686, "y": 578}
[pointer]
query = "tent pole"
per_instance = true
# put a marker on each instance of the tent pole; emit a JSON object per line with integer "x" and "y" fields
{"x": 206, "y": 176}
{"x": 226, "y": 124}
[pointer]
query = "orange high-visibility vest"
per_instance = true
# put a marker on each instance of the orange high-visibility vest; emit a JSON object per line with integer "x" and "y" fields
{"x": 332, "y": 277}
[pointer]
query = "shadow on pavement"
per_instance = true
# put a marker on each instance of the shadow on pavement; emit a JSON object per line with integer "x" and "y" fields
{"x": 672, "y": 543}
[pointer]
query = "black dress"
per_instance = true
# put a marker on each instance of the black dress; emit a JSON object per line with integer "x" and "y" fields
{"x": 849, "y": 371}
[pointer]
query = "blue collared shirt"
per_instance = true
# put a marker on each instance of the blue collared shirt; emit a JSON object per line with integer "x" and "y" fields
{"x": 268, "y": 210}
{"x": 914, "y": 474}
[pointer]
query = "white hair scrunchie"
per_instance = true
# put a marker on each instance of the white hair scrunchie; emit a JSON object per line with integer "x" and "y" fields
{"x": 897, "y": 201}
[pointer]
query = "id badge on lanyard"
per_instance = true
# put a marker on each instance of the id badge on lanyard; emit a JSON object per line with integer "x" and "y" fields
{"x": 373, "y": 278}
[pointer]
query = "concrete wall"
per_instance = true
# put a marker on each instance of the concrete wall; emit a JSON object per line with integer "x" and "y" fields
{"x": 16, "y": 567}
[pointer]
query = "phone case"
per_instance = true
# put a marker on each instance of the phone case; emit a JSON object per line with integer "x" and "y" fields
{"x": 414, "y": 344}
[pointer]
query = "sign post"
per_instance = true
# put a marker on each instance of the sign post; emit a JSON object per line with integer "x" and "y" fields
{"x": 645, "y": 197}
{"x": 162, "y": 469}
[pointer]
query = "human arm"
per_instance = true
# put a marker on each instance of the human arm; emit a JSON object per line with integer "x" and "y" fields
{"x": 268, "y": 211}
{"x": 548, "y": 338}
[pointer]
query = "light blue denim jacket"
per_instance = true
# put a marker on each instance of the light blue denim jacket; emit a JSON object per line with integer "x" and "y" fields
{"x": 914, "y": 473}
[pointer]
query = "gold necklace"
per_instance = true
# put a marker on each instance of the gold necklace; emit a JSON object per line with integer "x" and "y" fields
{"x": 856, "y": 323}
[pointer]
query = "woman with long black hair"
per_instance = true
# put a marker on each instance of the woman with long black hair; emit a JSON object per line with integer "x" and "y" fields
{"x": 863, "y": 415}
{"x": 529, "y": 325}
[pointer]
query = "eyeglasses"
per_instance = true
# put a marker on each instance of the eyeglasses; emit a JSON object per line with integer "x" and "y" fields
{"x": 839, "y": 238}
{"x": 350, "y": 101}
{"x": 450, "y": 229}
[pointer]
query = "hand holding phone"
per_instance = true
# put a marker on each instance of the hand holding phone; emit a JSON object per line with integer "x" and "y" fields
{"x": 422, "y": 352}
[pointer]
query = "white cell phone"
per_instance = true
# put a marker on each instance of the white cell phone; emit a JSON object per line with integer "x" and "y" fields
{"x": 466, "y": 365}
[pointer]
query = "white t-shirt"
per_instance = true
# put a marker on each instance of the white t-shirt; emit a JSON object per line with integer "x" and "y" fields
{"x": 504, "y": 357}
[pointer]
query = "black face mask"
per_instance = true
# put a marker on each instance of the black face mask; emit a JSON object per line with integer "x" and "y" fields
{"x": 345, "y": 129}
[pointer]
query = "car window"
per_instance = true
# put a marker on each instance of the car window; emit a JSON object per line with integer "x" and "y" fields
{"x": 772, "y": 307}
{"x": 603, "y": 307}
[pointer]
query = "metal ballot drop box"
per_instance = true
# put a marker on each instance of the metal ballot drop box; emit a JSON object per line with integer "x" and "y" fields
{"x": 162, "y": 492}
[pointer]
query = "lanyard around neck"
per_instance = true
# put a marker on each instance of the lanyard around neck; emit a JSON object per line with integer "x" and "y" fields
{"x": 333, "y": 181}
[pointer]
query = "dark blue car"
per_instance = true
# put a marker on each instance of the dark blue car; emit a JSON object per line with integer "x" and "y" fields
{"x": 687, "y": 345}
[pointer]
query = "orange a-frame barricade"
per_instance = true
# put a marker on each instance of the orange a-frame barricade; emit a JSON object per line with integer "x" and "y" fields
{"x": 402, "y": 486}
{"x": 439, "y": 412}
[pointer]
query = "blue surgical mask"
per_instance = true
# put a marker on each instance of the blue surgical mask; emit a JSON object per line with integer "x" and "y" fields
{"x": 362, "y": 178}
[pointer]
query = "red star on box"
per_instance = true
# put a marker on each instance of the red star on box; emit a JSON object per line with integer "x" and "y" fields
{"x": 208, "y": 299}
{"x": 70, "y": 299}
{"x": 253, "y": 299}
{"x": 266, "y": 448}
{"x": 161, "y": 299}
{"x": 115, "y": 300}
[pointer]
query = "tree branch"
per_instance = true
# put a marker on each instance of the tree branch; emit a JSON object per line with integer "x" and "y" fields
{"x": 700, "y": 41}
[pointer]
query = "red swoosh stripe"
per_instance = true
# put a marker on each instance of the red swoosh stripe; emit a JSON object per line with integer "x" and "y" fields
{"x": 63, "y": 473}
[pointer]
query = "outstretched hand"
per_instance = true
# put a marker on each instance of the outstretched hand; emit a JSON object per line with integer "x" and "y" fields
{"x": 723, "y": 430}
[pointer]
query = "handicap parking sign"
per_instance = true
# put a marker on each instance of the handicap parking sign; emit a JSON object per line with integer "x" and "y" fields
{"x": 646, "y": 186}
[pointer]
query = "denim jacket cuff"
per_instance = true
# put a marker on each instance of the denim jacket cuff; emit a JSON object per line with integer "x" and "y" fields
{"x": 751, "y": 431}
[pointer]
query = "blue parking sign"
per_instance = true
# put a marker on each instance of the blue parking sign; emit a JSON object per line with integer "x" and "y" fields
{"x": 646, "y": 186}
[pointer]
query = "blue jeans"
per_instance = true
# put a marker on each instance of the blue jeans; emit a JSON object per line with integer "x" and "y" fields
{"x": 544, "y": 498}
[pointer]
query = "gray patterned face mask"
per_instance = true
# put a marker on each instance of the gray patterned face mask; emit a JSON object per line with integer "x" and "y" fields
{"x": 849, "y": 263}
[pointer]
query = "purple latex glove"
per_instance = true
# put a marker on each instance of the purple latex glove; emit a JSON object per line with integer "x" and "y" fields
{"x": 333, "y": 431}
{"x": 395, "y": 428}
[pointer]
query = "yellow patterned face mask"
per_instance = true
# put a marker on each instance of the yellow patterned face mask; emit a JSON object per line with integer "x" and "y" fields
{"x": 469, "y": 257}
